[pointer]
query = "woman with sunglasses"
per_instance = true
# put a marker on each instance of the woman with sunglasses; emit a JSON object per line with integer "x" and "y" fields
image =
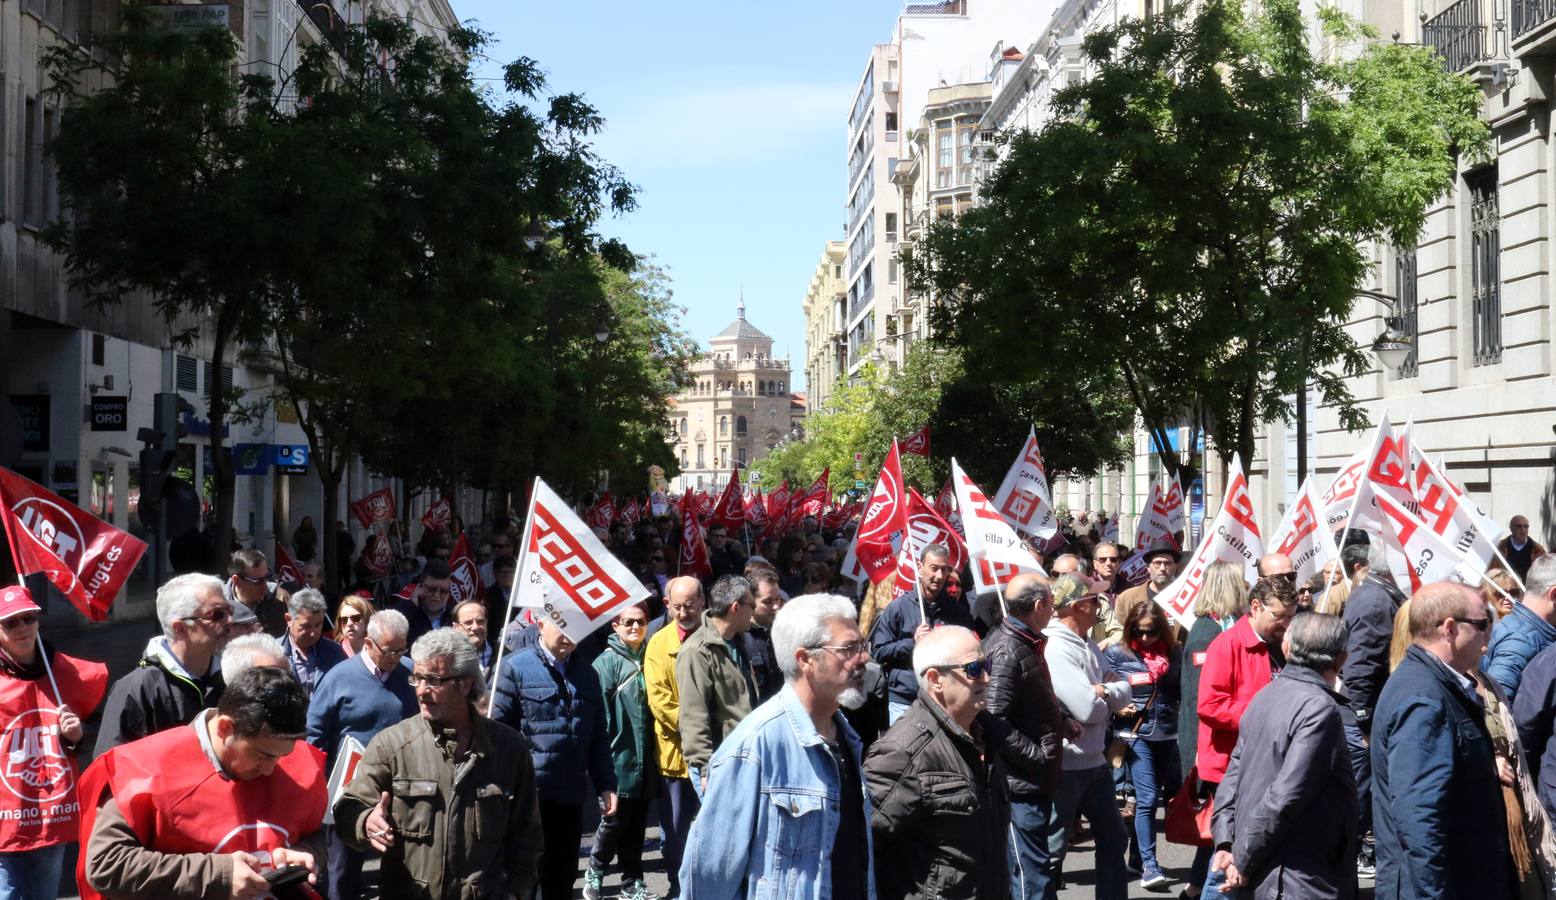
{"x": 1148, "y": 659}
{"x": 633, "y": 755}
{"x": 351, "y": 622}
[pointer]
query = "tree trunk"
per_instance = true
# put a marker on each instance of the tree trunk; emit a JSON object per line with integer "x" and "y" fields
{"x": 1154, "y": 428}
{"x": 226, "y": 480}
{"x": 329, "y": 478}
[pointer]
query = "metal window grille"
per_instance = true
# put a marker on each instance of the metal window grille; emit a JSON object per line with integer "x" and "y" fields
{"x": 187, "y": 375}
{"x": 1486, "y": 267}
{"x": 1410, "y": 323}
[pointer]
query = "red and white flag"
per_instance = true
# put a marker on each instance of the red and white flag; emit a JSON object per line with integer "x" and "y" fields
{"x": 997, "y": 553}
{"x": 1428, "y": 556}
{"x": 438, "y": 515}
{"x": 810, "y": 503}
{"x": 566, "y": 573}
{"x": 1301, "y": 535}
{"x": 603, "y": 512}
{"x": 464, "y": 575}
{"x": 287, "y": 569}
{"x": 778, "y": 505}
{"x": 694, "y": 559}
{"x": 379, "y": 555}
{"x": 1451, "y": 516}
{"x": 918, "y": 442}
{"x": 374, "y": 508}
{"x": 730, "y": 510}
{"x": 1233, "y": 536}
{"x": 756, "y": 513}
{"x": 347, "y": 758}
{"x": 1109, "y": 529}
{"x": 925, "y": 528}
{"x": 834, "y": 519}
{"x": 1155, "y": 521}
{"x": 1023, "y": 498}
{"x": 84, "y": 557}
{"x": 632, "y": 512}
{"x": 873, "y": 553}
{"x": 1173, "y": 507}
{"x": 702, "y": 502}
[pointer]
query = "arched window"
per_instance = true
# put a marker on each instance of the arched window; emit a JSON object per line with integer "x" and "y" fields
{"x": 723, "y": 425}
{"x": 740, "y": 425}
{"x": 779, "y": 389}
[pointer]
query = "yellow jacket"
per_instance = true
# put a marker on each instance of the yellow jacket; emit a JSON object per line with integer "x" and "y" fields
{"x": 664, "y": 698}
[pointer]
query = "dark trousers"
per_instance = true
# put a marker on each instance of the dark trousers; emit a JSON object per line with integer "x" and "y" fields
{"x": 677, "y": 808}
{"x": 344, "y": 872}
{"x": 560, "y": 824}
{"x": 620, "y": 837}
{"x": 1028, "y": 848}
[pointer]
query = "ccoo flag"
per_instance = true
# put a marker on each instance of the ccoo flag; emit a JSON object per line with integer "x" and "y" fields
{"x": 1023, "y": 498}
{"x": 1234, "y": 536}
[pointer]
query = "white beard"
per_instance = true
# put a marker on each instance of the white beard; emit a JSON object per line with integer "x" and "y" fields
{"x": 851, "y": 698}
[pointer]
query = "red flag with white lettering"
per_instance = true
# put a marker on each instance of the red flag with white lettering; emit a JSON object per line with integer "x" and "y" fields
{"x": 918, "y": 442}
{"x": 438, "y": 515}
{"x": 287, "y": 569}
{"x": 464, "y": 575}
{"x": 603, "y": 512}
{"x": 1233, "y": 536}
{"x": 810, "y": 503}
{"x": 631, "y": 512}
{"x": 873, "y": 553}
{"x": 925, "y": 527}
{"x": 730, "y": 511}
{"x": 375, "y": 507}
{"x": 694, "y": 558}
{"x": 756, "y": 513}
{"x": 84, "y": 557}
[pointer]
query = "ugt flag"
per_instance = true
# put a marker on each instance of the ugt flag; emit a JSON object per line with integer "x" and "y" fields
{"x": 438, "y": 515}
{"x": 1233, "y": 536}
{"x": 287, "y": 569}
{"x": 917, "y": 442}
{"x": 84, "y": 557}
{"x": 565, "y": 573}
{"x": 464, "y": 576}
{"x": 1023, "y": 498}
{"x": 375, "y": 507}
{"x": 873, "y": 553}
{"x": 925, "y": 529}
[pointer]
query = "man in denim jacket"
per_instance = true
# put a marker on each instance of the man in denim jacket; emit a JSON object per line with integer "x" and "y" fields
{"x": 786, "y": 813}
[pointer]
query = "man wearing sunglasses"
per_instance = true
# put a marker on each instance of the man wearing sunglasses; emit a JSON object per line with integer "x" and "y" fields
{"x": 179, "y": 675}
{"x": 937, "y": 780}
{"x": 428, "y": 609}
{"x": 1437, "y": 802}
{"x": 249, "y": 583}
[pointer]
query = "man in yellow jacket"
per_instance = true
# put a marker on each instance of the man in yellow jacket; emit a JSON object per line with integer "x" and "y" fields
{"x": 684, "y": 602}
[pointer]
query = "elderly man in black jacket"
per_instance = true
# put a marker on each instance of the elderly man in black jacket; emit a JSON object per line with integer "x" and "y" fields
{"x": 940, "y": 812}
{"x": 1021, "y": 694}
{"x": 1286, "y": 812}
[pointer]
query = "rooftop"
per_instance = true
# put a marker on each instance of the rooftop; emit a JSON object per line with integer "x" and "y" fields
{"x": 741, "y": 330}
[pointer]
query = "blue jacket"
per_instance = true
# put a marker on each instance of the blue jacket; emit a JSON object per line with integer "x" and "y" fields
{"x": 1535, "y": 712}
{"x": 1369, "y": 616}
{"x": 1514, "y": 642}
{"x": 1156, "y": 701}
{"x": 771, "y": 813}
{"x": 563, "y": 715}
{"x": 891, "y": 638}
{"x": 323, "y": 656}
{"x": 350, "y": 701}
{"x": 1436, "y": 801}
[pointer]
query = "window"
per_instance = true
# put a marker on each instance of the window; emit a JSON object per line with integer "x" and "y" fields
{"x": 891, "y": 270}
{"x": 945, "y": 154}
{"x": 30, "y": 156}
{"x": 741, "y": 455}
{"x": 1486, "y": 266}
{"x": 723, "y": 425}
{"x": 699, "y": 456}
{"x": 226, "y": 377}
{"x": 1405, "y": 290}
{"x": 186, "y": 376}
{"x": 47, "y": 178}
{"x": 99, "y": 349}
{"x": 740, "y": 427}
{"x": 891, "y": 121}
{"x": 964, "y": 152}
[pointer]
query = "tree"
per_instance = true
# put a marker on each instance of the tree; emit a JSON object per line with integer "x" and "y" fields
{"x": 1196, "y": 215}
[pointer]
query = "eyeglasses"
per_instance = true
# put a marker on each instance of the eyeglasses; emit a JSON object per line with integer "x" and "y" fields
{"x": 387, "y": 651}
{"x": 19, "y": 621}
{"x": 973, "y": 670}
{"x": 257, "y": 579}
{"x": 1480, "y": 624}
{"x": 346, "y": 619}
{"x": 433, "y": 681}
{"x": 1104, "y": 559}
{"x": 215, "y": 617}
{"x": 1289, "y": 576}
{"x": 848, "y": 650}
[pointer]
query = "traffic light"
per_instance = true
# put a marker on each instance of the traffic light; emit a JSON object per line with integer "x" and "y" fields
{"x": 161, "y": 440}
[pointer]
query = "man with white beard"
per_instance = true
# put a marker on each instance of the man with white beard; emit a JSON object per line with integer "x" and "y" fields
{"x": 794, "y": 752}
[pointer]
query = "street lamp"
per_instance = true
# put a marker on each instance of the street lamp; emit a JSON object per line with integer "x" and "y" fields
{"x": 1393, "y": 346}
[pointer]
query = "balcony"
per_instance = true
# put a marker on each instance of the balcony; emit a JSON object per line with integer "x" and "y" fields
{"x": 1531, "y": 22}
{"x": 1458, "y": 34}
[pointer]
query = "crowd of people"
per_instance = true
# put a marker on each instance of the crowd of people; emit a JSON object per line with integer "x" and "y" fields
{"x": 793, "y": 735}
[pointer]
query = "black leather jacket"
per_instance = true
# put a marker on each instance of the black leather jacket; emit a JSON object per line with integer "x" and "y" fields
{"x": 1021, "y": 694}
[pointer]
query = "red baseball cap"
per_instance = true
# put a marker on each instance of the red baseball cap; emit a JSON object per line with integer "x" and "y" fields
{"x": 15, "y": 600}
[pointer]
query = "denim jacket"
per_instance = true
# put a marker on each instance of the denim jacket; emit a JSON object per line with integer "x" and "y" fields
{"x": 770, "y": 815}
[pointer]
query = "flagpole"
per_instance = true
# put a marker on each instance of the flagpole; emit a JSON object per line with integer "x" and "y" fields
{"x": 518, "y": 579}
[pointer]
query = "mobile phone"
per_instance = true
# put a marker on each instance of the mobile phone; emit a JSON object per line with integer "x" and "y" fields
{"x": 287, "y": 876}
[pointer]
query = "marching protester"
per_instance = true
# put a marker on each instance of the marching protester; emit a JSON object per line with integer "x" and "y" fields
{"x": 1108, "y": 630}
{"x": 1161, "y": 566}
{"x": 1222, "y": 600}
{"x": 470, "y": 620}
{"x": 351, "y": 619}
{"x": 1021, "y": 694}
{"x": 677, "y": 808}
{"x": 798, "y": 751}
{"x": 206, "y": 809}
{"x": 248, "y": 583}
{"x": 1369, "y": 615}
{"x": 43, "y": 693}
{"x": 428, "y": 608}
{"x": 446, "y": 797}
{"x": 357, "y": 700}
{"x": 180, "y": 673}
{"x": 634, "y": 756}
{"x": 1530, "y": 628}
{"x": 306, "y": 650}
{"x": 759, "y": 639}
{"x": 1286, "y": 813}
{"x": 715, "y": 684}
{"x": 1105, "y": 560}
{"x": 250, "y": 650}
{"x": 937, "y": 781}
{"x": 903, "y": 623}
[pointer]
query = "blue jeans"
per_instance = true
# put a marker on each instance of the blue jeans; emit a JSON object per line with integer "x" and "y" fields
{"x": 32, "y": 874}
{"x": 1089, "y": 792}
{"x": 1153, "y": 767}
{"x": 1028, "y": 848}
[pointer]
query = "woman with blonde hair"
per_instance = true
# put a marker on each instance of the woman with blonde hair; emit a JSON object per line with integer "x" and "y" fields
{"x": 351, "y": 622}
{"x": 1501, "y": 600}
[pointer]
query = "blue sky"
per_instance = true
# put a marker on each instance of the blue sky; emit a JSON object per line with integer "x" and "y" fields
{"x": 730, "y": 117}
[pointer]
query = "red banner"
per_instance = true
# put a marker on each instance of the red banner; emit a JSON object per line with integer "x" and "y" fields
{"x": 631, "y": 513}
{"x": 918, "y": 442}
{"x": 287, "y": 571}
{"x": 603, "y": 512}
{"x": 756, "y": 513}
{"x": 84, "y": 557}
{"x": 438, "y": 515}
{"x": 810, "y": 503}
{"x": 40, "y": 805}
{"x": 885, "y": 518}
{"x": 925, "y": 527}
{"x": 375, "y": 507}
{"x": 694, "y": 552}
{"x": 464, "y": 576}
{"x": 778, "y": 509}
{"x": 730, "y": 511}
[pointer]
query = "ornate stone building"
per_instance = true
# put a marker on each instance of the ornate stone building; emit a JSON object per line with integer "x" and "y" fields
{"x": 740, "y": 405}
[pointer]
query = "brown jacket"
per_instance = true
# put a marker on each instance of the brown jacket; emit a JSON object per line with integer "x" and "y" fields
{"x": 717, "y": 690}
{"x": 463, "y": 831}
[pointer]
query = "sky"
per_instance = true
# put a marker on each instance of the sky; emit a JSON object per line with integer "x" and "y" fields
{"x": 731, "y": 118}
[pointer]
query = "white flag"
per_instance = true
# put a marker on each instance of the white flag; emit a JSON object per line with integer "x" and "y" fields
{"x": 346, "y": 760}
{"x": 1301, "y": 535}
{"x": 566, "y": 573}
{"x": 1172, "y": 501}
{"x": 1428, "y": 556}
{"x": 997, "y": 553}
{"x": 1452, "y": 516}
{"x": 1023, "y": 498}
{"x": 1233, "y": 536}
{"x": 1155, "y": 521}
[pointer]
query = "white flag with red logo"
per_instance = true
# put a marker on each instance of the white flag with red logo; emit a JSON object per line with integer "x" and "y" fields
{"x": 873, "y": 553}
{"x": 925, "y": 529}
{"x": 945, "y": 504}
{"x": 1173, "y": 508}
{"x": 438, "y": 515}
{"x": 347, "y": 758}
{"x": 1155, "y": 522}
{"x": 464, "y": 575}
{"x": 918, "y": 442}
{"x": 1301, "y": 534}
{"x": 1450, "y": 515}
{"x": 1233, "y": 536}
{"x": 997, "y": 553}
{"x": 84, "y": 557}
{"x": 566, "y": 573}
{"x": 1023, "y": 498}
{"x": 375, "y": 507}
{"x": 1109, "y": 530}
{"x": 287, "y": 569}
{"x": 1428, "y": 556}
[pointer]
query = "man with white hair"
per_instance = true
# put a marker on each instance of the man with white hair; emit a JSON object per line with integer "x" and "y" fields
{"x": 249, "y": 651}
{"x": 937, "y": 779}
{"x": 798, "y": 752}
{"x": 358, "y": 700}
{"x": 309, "y": 656}
{"x": 447, "y": 797}
{"x": 179, "y": 674}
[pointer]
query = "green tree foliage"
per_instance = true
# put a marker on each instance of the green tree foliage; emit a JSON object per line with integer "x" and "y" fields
{"x": 1195, "y": 217}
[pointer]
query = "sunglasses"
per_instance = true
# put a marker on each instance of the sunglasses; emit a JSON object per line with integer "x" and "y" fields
{"x": 631, "y": 623}
{"x": 1480, "y": 624}
{"x": 216, "y": 616}
{"x": 1104, "y": 559}
{"x": 1288, "y": 576}
{"x": 347, "y": 619}
{"x": 258, "y": 579}
{"x": 19, "y": 621}
{"x": 973, "y": 670}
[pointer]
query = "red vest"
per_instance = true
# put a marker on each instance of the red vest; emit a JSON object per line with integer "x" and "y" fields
{"x": 175, "y": 801}
{"x": 38, "y": 801}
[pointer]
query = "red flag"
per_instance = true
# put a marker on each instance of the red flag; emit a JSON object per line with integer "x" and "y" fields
{"x": 84, "y": 557}
{"x": 778, "y": 509}
{"x": 925, "y": 527}
{"x": 812, "y": 502}
{"x": 756, "y": 512}
{"x": 945, "y": 504}
{"x": 464, "y": 576}
{"x": 375, "y": 507}
{"x": 378, "y": 555}
{"x": 694, "y": 552}
{"x": 874, "y": 551}
{"x": 631, "y": 513}
{"x": 918, "y": 442}
{"x": 603, "y": 513}
{"x": 835, "y": 519}
{"x": 702, "y": 502}
{"x": 287, "y": 569}
{"x": 438, "y": 515}
{"x": 730, "y": 511}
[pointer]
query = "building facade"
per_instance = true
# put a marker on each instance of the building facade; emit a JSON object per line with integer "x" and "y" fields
{"x": 740, "y": 406}
{"x": 826, "y": 346}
